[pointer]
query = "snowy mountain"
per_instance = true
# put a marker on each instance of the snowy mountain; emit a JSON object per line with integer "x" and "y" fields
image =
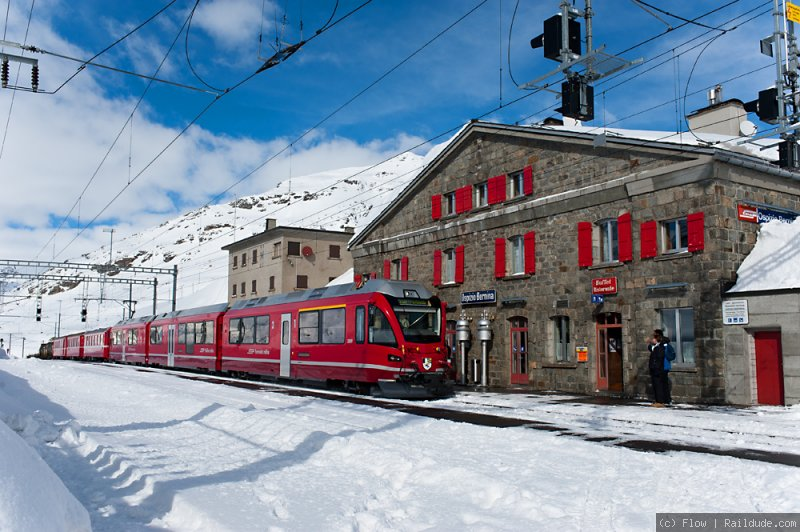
{"x": 329, "y": 200}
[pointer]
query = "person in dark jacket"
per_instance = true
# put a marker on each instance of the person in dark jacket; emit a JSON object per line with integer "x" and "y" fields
{"x": 661, "y": 355}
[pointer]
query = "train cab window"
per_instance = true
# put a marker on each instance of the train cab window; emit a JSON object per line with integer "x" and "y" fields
{"x": 309, "y": 327}
{"x": 380, "y": 329}
{"x": 333, "y": 326}
{"x": 360, "y": 324}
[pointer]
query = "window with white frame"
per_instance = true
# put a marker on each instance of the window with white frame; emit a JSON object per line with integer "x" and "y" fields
{"x": 674, "y": 235}
{"x": 516, "y": 186}
{"x": 449, "y": 266}
{"x": 561, "y": 339}
{"x": 397, "y": 269}
{"x": 481, "y": 193}
{"x": 678, "y": 326}
{"x": 608, "y": 240}
{"x": 449, "y": 204}
{"x": 517, "y": 255}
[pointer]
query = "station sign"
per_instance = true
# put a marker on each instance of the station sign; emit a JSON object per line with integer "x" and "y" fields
{"x": 760, "y": 215}
{"x": 734, "y": 312}
{"x": 604, "y": 286}
{"x": 598, "y": 299}
{"x": 480, "y": 297}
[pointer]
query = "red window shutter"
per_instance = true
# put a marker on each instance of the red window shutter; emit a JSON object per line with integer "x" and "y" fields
{"x": 695, "y": 225}
{"x": 387, "y": 269}
{"x": 499, "y": 258}
{"x": 437, "y": 267}
{"x": 459, "y": 264}
{"x": 404, "y": 269}
{"x": 530, "y": 252}
{"x": 625, "y": 237}
{"x": 527, "y": 180}
{"x": 436, "y": 206}
{"x": 649, "y": 235}
{"x": 499, "y": 188}
{"x": 491, "y": 186}
{"x": 584, "y": 244}
{"x": 463, "y": 199}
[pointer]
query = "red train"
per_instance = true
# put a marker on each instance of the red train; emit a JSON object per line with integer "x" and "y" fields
{"x": 385, "y": 334}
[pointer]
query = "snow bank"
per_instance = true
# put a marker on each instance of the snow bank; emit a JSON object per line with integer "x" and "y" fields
{"x": 773, "y": 263}
{"x": 32, "y": 497}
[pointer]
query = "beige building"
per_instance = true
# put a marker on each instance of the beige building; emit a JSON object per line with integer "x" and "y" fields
{"x": 283, "y": 259}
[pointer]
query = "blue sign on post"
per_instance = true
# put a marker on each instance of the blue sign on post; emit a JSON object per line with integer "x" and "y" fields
{"x": 597, "y": 298}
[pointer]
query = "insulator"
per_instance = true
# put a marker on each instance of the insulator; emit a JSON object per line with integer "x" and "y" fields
{"x": 4, "y": 73}
{"x": 35, "y": 78}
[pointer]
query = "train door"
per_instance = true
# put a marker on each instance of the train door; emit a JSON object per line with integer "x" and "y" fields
{"x": 286, "y": 345}
{"x": 171, "y": 346}
{"x": 769, "y": 368}
{"x": 609, "y": 352}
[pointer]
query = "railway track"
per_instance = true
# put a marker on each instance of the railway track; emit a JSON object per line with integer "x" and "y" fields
{"x": 615, "y": 434}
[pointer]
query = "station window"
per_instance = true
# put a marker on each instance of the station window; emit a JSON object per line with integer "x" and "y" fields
{"x": 481, "y": 194}
{"x": 302, "y": 281}
{"x": 254, "y": 287}
{"x": 678, "y": 326}
{"x": 334, "y": 252}
{"x": 244, "y": 260}
{"x": 517, "y": 258}
{"x": 515, "y": 185}
{"x": 293, "y": 249}
{"x": 236, "y": 261}
{"x": 449, "y": 204}
{"x": 276, "y": 250}
{"x": 255, "y": 256}
{"x": 272, "y": 283}
{"x": 242, "y": 286}
{"x": 233, "y": 290}
{"x": 449, "y": 263}
{"x": 561, "y": 338}
{"x": 607, "y": 240}
{"x": 675, "y": 235}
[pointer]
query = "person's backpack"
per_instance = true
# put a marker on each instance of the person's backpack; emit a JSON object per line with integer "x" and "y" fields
{"x": 669, "y": 356}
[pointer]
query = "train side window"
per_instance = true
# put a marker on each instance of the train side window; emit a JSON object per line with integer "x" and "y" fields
{"x": 380, "y": 329}
{"x": 236, "y": 331}
{"x": 262, "y": 329}
{"x": 249, "y": 330}
{"x": 209, "y": 332}
{"x": 360, "y": 323}
{"x": 181, "y": 333}
{"x": 333, "y": 326}
{"x": 309, "y": 327}
{"x": 190, "y": 333}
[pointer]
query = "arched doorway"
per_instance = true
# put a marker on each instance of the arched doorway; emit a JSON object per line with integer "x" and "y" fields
{"x": 609, "y": 352}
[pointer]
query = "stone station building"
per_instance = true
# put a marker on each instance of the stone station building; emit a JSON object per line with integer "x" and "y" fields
{"x": 576, "y": 245}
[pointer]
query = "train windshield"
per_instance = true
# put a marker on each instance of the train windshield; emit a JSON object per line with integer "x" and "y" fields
{"x": 419, "y": 320}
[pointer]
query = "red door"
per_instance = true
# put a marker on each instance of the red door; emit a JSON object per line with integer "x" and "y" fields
{"x": 769, "y": 368}
{"x": 519, "y": 350}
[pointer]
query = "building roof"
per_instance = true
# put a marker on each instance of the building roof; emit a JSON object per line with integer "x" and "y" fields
{"x": 729, "y": 150}
{"x": 279, "y": 231}
{"x": 774, "y": 262}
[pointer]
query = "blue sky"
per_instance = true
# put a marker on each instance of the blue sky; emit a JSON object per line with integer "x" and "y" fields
{"x": 55, "y": 143}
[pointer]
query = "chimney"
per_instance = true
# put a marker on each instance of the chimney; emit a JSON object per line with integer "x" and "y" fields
{"x": 272, "y": 223}
{"x": 349, "y": 229}
{"x": 722, "y": 117}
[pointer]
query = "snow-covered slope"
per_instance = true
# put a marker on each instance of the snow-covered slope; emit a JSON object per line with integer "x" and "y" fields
{"x": 329, "y": 200}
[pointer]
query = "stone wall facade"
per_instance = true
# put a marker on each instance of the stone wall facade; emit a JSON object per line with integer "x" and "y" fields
{"x": 576, "y": 180}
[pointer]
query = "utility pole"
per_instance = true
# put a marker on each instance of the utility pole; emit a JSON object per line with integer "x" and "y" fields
{"x": 779, "y": 105}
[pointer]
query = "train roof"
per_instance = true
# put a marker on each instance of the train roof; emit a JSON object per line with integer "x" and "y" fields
{"x": 134, "y": 321}
{"x": 208, "y": 309}
{"x": 398, "y": 289}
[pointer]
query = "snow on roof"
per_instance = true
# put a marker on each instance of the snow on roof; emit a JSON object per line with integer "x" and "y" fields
{"x": 773, "y": 263}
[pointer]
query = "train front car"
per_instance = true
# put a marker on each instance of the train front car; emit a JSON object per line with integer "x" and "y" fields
{"x": 408, "y": 323}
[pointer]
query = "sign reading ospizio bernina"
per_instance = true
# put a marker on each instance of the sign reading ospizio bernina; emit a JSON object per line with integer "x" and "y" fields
{"x": 760, "y": 215}
{"x": 480, "y": 297}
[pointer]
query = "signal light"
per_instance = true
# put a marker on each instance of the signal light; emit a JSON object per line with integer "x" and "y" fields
{"x": 83, "y": 314}
{"x": 577, "y": 99}
{"x": 766, "y": 107}
{"x": 38, "y": 313}
{"x": 550, "y": 40}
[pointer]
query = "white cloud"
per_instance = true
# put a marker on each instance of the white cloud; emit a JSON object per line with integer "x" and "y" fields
{"x": 233, "y": 23}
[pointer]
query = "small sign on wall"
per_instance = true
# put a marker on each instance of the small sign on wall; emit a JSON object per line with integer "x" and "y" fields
{"x": 734, "y": 312}
{"x": 582, "y": 354}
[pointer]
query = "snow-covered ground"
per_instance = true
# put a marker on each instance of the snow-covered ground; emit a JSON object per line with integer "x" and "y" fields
{"x": 144, "y": 450}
